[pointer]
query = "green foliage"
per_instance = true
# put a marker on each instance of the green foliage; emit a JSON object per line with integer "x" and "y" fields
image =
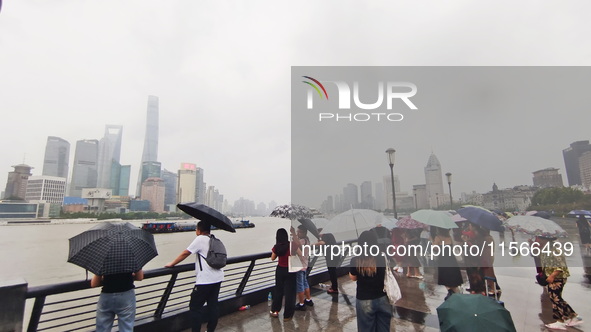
{"x": 550, "y": 196}
{"x": 560, "y": 200}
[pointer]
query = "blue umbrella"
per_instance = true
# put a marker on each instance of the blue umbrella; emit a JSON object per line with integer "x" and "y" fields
{"x": 482, "y": 218}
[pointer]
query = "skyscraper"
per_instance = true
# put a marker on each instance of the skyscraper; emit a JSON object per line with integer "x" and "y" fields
{"x": 109, "y": 154}
{"x": 153, "y": 190}
{"x": 199, "y": 186}
{"x": 571, "y": 157}
{"x": 57, "y": 157}
{"x": 150, "y": 153}
{"x": 434, "y": 182}
{"x": 84, "y": 172}
{"x": 170, "y": 180}
{"x": 186, "y": 183}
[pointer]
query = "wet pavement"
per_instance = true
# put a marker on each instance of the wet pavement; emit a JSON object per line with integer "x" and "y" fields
{"x": 527, "y": 302}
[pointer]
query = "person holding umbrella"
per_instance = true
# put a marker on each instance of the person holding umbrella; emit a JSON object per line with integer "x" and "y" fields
{"x": 208, "y": 280}
{"x": 115, "y": 253}
{"x": 584, "y": 232}
{"x": 117, "y": 298}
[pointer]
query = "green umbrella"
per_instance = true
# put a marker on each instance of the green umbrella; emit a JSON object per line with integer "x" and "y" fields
{"x": 464, "y": 312}
{"x": 434, "y": 218}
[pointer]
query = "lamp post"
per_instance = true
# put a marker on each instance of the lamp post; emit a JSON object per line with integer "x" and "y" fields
{"x": 390, "y": 153}
{"x": 414, "y": 191}
{"x": 448, "y": 175}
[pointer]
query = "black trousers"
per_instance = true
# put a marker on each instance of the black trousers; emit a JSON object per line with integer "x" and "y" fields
{"x": 285, "y": 286}
{"x": 332, "y": 273}
{"x": 205, "y": 293}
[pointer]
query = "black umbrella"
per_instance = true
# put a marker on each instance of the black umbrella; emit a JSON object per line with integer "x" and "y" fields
{"x": 112, "y": 248}
{"x": 542, "y": 214}
{"x": 309, "y": 225}
{"x": 207, "y": 214}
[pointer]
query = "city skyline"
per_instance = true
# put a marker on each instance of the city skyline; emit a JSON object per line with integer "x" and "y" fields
{"x": 226, "y": 108}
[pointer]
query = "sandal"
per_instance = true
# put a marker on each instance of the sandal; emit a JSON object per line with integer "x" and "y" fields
{"x": 332, "y": 291}
{"x": 274, "y": 314}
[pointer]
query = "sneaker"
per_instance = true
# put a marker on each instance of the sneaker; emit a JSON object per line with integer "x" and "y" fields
{"x": 274, "y": 314}
{"x": 574, "y": 321}
{"x": 309, "y": 303}
{"x": 300, "y": 307}
{"x": 287, "y": 319}
{"x": 332, "y": 291}
{"x": 556, "y": 326}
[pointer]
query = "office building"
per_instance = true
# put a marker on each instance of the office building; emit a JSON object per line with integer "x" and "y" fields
{"x": 57, "y": 157}
{"x": 153, "y": 190}
{"x": 84, "y": 170}
{"x": 571, "y": 157}
{"x": 170, "y": 184}
{"x": 150, "y": 152}
{"x": 187, "y": 176}
{"x": 16, "y": 184}
{"x": 434, "y": 183}
{"x": 50, "y": 189}
{"x": 109, "y": 156}
{"x": 547, "y": 178}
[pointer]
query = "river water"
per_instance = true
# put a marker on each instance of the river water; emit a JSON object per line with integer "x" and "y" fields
{"x": 38, "y": 253}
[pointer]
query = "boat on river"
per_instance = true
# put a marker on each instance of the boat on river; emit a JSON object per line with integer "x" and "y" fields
{"x": 177, "y": 226}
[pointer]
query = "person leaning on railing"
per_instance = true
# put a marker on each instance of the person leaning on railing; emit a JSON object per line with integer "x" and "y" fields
{"x": 117, "y": 298}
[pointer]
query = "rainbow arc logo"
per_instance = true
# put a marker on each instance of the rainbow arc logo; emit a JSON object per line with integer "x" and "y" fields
{"x": 316, "y": 86}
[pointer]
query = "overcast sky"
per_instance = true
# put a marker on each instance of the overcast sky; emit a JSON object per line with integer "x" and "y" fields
{"x": 222, "y": 73}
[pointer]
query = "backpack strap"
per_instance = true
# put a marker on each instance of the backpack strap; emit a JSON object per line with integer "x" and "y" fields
{"x": 199, "y": 255}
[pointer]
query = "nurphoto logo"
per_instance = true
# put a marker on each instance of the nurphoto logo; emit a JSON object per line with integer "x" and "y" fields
{"x": 389, "y": 91}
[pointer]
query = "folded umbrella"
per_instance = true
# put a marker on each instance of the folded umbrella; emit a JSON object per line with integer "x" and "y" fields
{"x": 112, "y": 248}
{"x": 481, "y": 217}
{"x": 207, "y": 214}
{"x": 441, "y": 219}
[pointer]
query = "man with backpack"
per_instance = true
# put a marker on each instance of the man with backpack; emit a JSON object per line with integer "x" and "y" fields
{"x": 211, "y": 258}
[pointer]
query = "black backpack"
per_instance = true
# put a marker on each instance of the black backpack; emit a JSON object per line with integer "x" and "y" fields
{"x": 216, "y": 255}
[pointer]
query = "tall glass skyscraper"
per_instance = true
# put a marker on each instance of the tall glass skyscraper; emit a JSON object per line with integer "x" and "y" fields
{"x": 57, "y": 157}
{"x": 109, "y": 154}
{"x": 84, "y": 173}
{"x": 150, "y": 153}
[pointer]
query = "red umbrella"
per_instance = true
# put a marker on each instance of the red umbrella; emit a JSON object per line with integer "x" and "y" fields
{"x": 409, "y": 223}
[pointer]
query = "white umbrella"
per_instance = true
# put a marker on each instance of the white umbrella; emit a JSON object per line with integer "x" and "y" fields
{"x": 349, "y": 224}
{"x": 536, "y": 226}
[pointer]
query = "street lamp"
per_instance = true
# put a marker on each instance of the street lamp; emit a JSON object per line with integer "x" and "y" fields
{"x": 448, "y": 175}
{"x": 390, "y": 153}
{"x": 414, "y": 191}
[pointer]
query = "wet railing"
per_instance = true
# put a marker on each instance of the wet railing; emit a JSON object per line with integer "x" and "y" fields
{"x": 162, "y": 297}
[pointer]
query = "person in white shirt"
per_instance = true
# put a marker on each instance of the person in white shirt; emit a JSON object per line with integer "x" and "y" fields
{"x": 207, "y": 283}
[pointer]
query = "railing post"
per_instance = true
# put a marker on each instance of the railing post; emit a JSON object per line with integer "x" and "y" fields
{"x": 311, "y": 265}
{"x": 36, "y": 314}
{"x": 165, "y": 296}
{"x": 12, "y": 307}
{"x": 245, "y": 279}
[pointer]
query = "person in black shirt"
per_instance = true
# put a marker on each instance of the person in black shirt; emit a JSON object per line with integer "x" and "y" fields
{"x": 374, "y": 311}
{"x": 117, "y": 298}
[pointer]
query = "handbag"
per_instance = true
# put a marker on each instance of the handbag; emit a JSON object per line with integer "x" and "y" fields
{"x": 541, "y": 278}
{"x": 391, "y": 285}
{"x": 294, "y": 262}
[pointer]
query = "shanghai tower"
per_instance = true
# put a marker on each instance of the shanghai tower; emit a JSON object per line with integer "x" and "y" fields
{"x": 149, "y": 166}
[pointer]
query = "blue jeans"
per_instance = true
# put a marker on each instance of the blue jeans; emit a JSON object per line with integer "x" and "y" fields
{"x": 111, "y": 304}
{"x": 374, "y": 315}
{"x": 301, "y": 281}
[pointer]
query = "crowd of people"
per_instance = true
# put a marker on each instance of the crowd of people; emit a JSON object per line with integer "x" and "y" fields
{"x": 373, "y": 310}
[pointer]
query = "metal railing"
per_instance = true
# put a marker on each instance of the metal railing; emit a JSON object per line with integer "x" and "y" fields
{"x": 163, "y": 294}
